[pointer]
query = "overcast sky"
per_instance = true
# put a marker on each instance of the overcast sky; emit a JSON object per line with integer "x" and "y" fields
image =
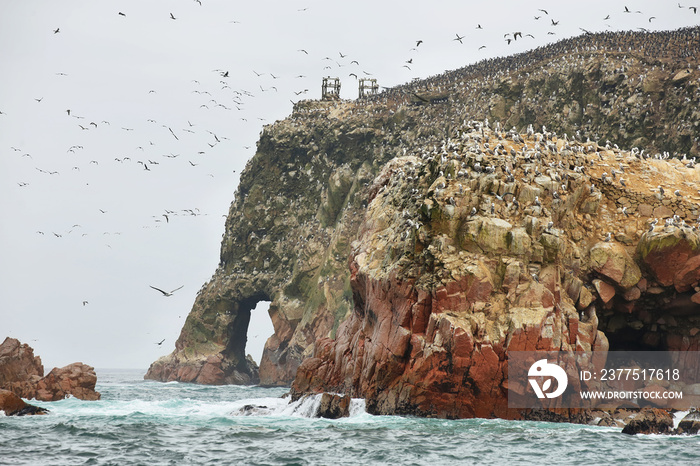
{"x": 91, "y": 97}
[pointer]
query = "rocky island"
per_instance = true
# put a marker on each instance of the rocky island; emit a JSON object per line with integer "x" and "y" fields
{"x": 410, "y": 240}
{"x": 22, "y": 375}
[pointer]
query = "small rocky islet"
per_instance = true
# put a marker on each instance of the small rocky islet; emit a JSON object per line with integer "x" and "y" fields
{"x": 407, "y": 241}
{"x": 22, "y": 376}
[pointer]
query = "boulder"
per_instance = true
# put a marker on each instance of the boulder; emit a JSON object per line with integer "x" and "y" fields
{"x": 75, "y": 379}
{"x": 19, "y": 368}
{"x": 613, "y": 261}
{"x": 13, "y": 405}
{"x": 334, "y": 406}
{"x": 670, "y": 255}
{"x": 650, "y": 421}
{"x": 690, "y": 424}
{"x": 22, "y": 373}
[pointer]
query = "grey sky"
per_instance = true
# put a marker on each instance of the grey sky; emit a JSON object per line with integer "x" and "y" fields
{"x": 115, "y": 73}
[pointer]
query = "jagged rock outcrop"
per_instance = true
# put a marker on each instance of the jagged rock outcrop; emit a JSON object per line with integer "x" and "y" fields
{"x": 334, "y": 406}
{"x": 20, "y": 370}
{"x": 75, "y": 379}
{"x": 650, "y": 421}
{"x": 690, "y": 424}
{"x": 497, "y": 242}
{"x": 13, "y": 405}
{"x": 406, "y": 248}
{"x": 22, "y": 373}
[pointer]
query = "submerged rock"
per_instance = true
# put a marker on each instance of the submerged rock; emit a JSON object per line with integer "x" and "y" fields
{"x": 252, "y": 410}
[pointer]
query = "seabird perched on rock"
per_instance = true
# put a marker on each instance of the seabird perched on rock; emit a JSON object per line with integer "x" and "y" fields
{"x": 537, "y": 201}
{"x": 473, "y": 212}
{"x": 661, "y": 191}
{"x": 608, "y": 237}
{"x": 653, "y": 224}
{"x": 677, "y": 193}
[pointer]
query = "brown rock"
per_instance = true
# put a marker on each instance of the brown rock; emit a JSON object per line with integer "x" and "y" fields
{"x": 650, "y": 421}
{"x": 613, "y": 261}
{"x": 75, "y": 379}
{"x": 13, "y": 405}
{"x": 334, "y": 406}
{"x": 211, "y": 373}
{"x": 645, "y": 210}
{"x": 666, "y": 253}
{"x": 690, "y": 424}
{"x": 585, "y": 298}
{"x": 687, "y": 275}
{"x": 632, "y": 294}
{"x": 605, "y": 290}
{"x": 681, "y": 76}
{"x": 19, "y": 368}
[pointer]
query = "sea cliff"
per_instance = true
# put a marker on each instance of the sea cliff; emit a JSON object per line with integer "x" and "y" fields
{"x": 407, "y": 241}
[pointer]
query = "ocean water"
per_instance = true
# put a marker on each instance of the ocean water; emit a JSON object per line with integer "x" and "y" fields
{"x": 141, "y": 422}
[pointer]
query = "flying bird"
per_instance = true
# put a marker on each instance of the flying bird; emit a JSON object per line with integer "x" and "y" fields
{"x": 172, "y": 17}
{"x": 166, "y": 293}
{"x": 57, "y": 30}
{"x": 459, "y": 38}
{"x": 121, "y": 14}
{"x": 160, "y": 342}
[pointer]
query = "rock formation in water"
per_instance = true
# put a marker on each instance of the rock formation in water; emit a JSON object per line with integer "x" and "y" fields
{"x": 13, "y": 405}
{"x": 407, "y": 241}
{"x": 23, "y": 374}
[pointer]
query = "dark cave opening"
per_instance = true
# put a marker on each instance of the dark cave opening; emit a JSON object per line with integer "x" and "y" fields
{"x": 629, "y": 339}
{"x": 655, "y": 322}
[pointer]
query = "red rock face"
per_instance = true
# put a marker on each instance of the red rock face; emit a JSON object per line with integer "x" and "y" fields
{"x": 22, "y": 373}
{"x": 407, "y": 352}
{"x": 447, "y": 280}
{"x": 75, "y": 379}
{"x": 13, "y": 405}
{"x": 20, "y": 370}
